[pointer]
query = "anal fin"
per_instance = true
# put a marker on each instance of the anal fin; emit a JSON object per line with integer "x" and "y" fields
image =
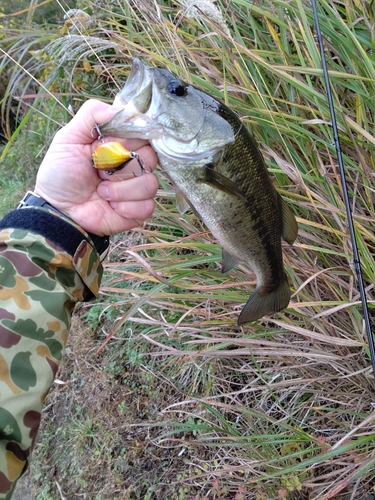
{"x": 289, "y": 224}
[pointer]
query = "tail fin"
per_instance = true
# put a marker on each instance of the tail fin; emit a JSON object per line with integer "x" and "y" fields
{"x": 260, "y": 303}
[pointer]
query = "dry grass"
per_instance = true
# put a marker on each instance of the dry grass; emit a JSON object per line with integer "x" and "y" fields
{"x": 282, "y": 408}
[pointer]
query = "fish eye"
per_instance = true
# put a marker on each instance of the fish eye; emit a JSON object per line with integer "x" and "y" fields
{"x": 177, "y": 88}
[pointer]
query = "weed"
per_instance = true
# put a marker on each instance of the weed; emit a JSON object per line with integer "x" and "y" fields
{"x": 182, "y": 403}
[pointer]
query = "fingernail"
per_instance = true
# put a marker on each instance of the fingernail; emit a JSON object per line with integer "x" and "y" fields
{"x": 103, "y": 191}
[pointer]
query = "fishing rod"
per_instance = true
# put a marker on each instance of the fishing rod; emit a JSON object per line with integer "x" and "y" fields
{"x": 356, "y": 259}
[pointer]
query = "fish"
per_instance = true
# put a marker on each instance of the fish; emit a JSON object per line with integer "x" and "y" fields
{"x": 218, "y": 171}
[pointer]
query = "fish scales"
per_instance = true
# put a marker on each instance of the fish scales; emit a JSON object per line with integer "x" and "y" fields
{"x": 223, "y": 213}
{"x": 218, "y": 170}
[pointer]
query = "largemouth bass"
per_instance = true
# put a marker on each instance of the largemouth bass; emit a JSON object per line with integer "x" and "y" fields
{"x": 218, "y": 171}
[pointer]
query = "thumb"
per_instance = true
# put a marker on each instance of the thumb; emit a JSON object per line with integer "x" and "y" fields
{"x": 81, "y": 128}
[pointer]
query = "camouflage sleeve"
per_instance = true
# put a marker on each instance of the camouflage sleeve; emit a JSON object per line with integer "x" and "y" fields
{"x": 44, "y": 271}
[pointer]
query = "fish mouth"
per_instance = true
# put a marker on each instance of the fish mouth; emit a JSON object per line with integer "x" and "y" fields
{"x": 138, "y": 105}
{"x": 138, "y": 88}
{"x": 175, "y": 128}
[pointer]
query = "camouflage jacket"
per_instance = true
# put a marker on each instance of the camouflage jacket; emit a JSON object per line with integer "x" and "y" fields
{"x": 47, "y": 264}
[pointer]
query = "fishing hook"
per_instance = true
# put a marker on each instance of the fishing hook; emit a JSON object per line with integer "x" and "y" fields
{"x": 140, "y": 163}
{"x": 97, "y": 130}
{"x": 356, "y": 258}
{"x": 136, "y": 156}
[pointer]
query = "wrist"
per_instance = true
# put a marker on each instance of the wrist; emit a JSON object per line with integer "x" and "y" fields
{"x": 34, "y": 200}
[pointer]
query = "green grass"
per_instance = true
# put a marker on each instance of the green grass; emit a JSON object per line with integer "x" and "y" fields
{"x": 181, "y": 403}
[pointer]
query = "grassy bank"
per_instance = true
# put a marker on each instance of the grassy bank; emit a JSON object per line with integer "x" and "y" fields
{"x": 181, "y": 403}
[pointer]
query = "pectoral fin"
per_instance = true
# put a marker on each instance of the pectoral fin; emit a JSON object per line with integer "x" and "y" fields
{"x": 229, "y": 261}
{"x": 290, "y": 227}
{"x": 222, "y": 183}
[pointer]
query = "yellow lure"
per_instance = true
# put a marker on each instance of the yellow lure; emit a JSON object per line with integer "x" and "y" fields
{"x": 111, "y": 156}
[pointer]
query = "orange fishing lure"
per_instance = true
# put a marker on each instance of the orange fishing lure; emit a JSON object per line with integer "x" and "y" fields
{"x": 111, "y": 156}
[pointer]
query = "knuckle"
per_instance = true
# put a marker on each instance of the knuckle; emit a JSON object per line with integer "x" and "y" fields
{"x": 148, "y": 208}
{"x": 151, "y": 185}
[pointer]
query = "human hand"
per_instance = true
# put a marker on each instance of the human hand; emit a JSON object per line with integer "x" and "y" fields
{"x": 99, "y": 203}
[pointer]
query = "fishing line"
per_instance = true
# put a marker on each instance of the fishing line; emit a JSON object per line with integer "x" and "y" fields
{"x": 356, "y": 259}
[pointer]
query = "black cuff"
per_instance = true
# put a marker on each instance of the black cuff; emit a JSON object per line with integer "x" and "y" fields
{"x": 101, "y": 243}
{"x": 51, "y": 227}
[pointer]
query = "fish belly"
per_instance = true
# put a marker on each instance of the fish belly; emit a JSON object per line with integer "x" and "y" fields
{"x": 247, "y": 232}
